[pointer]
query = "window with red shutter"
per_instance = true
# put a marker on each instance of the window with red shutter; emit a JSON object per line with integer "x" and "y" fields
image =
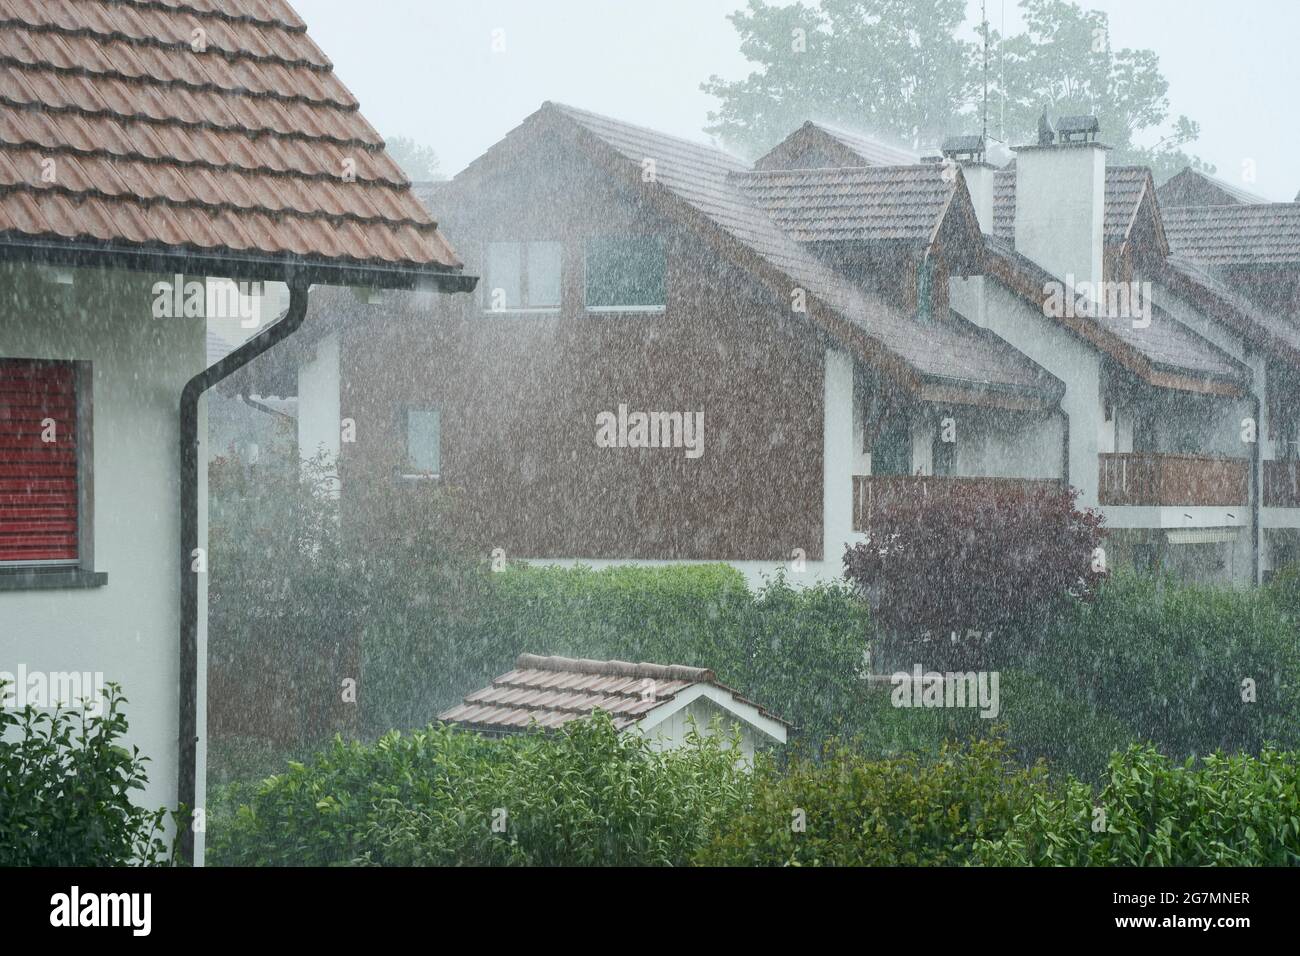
{"x": 38, "y": 462}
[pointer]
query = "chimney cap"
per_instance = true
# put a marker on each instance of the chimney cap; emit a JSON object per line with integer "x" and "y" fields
{"x": 1082, "y": 128}
{"x": 969, "y": 146}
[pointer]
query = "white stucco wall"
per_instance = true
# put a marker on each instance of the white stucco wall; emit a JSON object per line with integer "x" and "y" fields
{"x": 1076, "y": 363}
{"x": 319, "y": 401}
{"x": 129, "y": 628}
{"x": 1060, "y": 209}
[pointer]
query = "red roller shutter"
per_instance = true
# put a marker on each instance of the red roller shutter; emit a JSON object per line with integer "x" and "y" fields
{"x": 38, "y": 478}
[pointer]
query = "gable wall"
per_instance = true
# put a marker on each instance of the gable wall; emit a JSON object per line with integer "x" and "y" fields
{"x": 519, "y": 394}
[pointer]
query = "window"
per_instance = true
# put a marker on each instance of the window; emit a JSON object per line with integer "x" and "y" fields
{"x": 891, "y": 453}
{"x": 40, "y": 482}
{"x": 423, "y": 442}
{"x": 626, "y": 274}
{"x": 522, "y": 276}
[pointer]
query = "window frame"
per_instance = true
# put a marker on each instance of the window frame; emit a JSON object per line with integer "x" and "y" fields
{"x": 524, "y": 289}
{"x": 405, "y": 471}
{"x": 76, "y": 572}
{"x": 658, "y": 309}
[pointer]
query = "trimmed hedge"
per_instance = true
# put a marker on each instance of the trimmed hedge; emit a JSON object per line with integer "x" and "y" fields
{"x": 1223, "y": 811}
{"x": 583, "y": 797}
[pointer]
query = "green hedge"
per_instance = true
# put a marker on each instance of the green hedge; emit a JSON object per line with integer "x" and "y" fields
{"x": 442, "y": 797}
{"x": 1170, "y": 661}
{"x": 592, "y": 797}
{"x": 1222, "y": 811}
{"x": 848, "y": 810}
{"x": 418, "y": 660}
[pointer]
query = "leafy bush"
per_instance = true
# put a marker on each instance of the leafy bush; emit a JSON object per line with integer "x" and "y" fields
{"x": 65, "y": 790}
{"x": 1171, "y": 661}
{"x": 1224, "y": 811}
{"x": 440, "y": 796}
{"x": 903, "y": 811}
{"x": 951, "y": 557}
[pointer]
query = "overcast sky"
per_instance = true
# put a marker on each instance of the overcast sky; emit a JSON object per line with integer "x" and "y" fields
{"x": 426, "y": 69}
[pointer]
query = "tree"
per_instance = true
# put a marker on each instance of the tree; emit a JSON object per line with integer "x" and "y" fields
{"x": 419, "y": 162}
{"x": 891, "y": 67}
{"x": 898, "y": 68}
{"x": 956, "y": 573}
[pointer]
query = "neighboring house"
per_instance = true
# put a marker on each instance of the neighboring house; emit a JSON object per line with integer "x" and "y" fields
{"x": 661, "y": 702}
{"x": 132, "y": 159}
{"x": 1192, "y": 187}
{"x": 851, "y": 332}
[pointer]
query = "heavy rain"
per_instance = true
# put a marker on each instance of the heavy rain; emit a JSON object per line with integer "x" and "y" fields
{"x": 731, "y": 433}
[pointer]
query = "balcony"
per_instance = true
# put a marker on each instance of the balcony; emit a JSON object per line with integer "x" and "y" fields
{"x": 1281, "y": 481}
{"x": 1154, "y": 478}
{"x": 872, "y": 492}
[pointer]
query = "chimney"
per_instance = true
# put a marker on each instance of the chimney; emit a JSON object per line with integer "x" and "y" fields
{"x": 1061, "y": 200}
{"x": 968, "y": 151}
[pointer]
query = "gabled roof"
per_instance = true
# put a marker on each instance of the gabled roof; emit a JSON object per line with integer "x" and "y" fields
{"x": 1259, "y": 327}
{"x": 545, "y": 693}
{"x": 1257, "y": 234}
{"x": 818, "y": 144}
{"x": 864, "y": 203}
{"x": 1165, "y": 353}
{"x": 217, "y": 130}
{"x": 1127, "y": 187}
{"x": 697, "y": 185}
{"x": 1191, "y": 187}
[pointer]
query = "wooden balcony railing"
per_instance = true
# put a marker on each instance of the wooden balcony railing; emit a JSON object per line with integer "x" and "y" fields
{"x": 1155, "y": 478}
{"x": 872, "y": 492}
{"x": 1281, "y": 480}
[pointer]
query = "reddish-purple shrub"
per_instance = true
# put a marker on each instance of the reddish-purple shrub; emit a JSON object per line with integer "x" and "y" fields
{"x": 955, "y": 567}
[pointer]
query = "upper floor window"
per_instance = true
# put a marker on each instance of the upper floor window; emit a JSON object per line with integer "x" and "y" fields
{"x": 522, "y": 276}
{"x": 626, "y": 274}
{"x": 423, "y": 442}
{"x": 40, "y": 457}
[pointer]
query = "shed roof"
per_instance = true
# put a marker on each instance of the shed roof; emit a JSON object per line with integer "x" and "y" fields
{"x": 218, "y": 128}
{"x": 548, "y": 692}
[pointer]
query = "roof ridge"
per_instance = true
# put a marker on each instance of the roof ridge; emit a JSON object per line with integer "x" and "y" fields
{"x": 188, "y": 6}
{"x": 615, "y": 668}
{"x": 695, "y": 144}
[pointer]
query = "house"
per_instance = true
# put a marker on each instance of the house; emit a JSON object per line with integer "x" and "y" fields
{"x": 152, "y": 155}
{"x": 847, "y": 325}
{"x": 661, "y": 702}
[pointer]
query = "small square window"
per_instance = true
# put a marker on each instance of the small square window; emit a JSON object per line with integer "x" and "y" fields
{"x": 423, "y": 441}
{"x": 626, "y": 273}
{"x": 522, "y": 276}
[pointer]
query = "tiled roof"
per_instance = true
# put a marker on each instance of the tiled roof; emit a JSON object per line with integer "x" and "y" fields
{"x": 1258, "y": 234}
{"x": 548, "y": 692}
{"x": 866, "y": 203}
{"x": 115, "y": 130}
{"x": 1192, "y": 187}
{"x": 1166, "y": 344}
{"x": 1125, "y": 186}
{"x": 704, "y": 179}
{"x": 1276, "y": 331}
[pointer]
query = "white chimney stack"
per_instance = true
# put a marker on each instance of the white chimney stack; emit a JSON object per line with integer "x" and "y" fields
{"x": 1061, "y": 207}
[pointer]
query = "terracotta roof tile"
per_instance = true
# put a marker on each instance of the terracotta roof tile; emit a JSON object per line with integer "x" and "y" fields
{"x": 246, "y": 145}
{"x": 548, "y": 692}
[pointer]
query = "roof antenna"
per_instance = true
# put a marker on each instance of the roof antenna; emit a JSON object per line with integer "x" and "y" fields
{"x": 984, "y": 21}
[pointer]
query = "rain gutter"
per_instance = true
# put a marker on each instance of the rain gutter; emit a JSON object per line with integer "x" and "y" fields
{"x": 189, "y": 556}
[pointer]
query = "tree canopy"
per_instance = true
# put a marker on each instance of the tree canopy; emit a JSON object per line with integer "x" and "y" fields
{"x": 902, "y": 69}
